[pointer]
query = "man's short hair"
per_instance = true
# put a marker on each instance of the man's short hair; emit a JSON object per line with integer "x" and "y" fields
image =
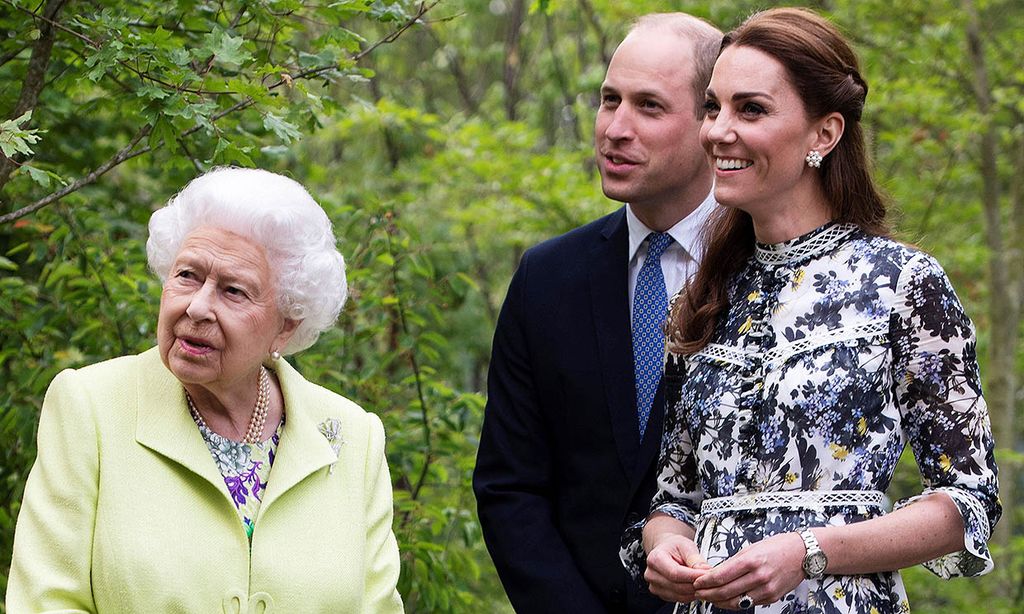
{"x": 706, "y": 40}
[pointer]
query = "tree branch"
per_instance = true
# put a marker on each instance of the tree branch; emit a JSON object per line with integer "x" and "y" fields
{"x": 455, "y": 67}
{"x": 595, "y": 23}
{"x": 1016, "y": 257}
{"x": 51, "y": 22}
{"x": 480, "y": 267}
{"x": 126, "y": 153}
{"x": 35, "y": 76}
{"x": 114, "y": 322}
{"x": 7, "y": 57}
{"x": 191, "y": 158}
{"x": 940, "y": 189}
{"x": 390, "y": 38}
{"x": 568, "y": 97}
{"x": 428, "y": 439}
{"x": 390, "y": 143}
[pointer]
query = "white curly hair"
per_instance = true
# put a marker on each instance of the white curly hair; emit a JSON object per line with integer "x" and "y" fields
{"x": 272, "y": 211}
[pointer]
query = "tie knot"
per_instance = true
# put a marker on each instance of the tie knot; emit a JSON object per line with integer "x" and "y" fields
{"x": 659, "y": 242}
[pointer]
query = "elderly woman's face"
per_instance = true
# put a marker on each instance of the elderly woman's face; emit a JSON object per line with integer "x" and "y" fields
{"x": 218, "y": 312}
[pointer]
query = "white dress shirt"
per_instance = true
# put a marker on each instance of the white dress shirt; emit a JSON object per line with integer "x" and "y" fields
{"x": 681, "y": 258}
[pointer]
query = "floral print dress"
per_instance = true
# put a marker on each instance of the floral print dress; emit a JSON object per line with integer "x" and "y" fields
{"x": 838, "y": 349}
{"x": 246, "y": 469}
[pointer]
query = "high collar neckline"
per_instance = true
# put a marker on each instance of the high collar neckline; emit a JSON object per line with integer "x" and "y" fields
{"x": 821, "y": 240}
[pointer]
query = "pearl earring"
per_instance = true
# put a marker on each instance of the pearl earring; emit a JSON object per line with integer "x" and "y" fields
{"x": 275, "y": 355}
{"x": 813, "y": 159}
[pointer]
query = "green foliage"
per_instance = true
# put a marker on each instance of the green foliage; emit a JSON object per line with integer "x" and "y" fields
{"x": 76, "y": 291}
{"x": 391, "y": 355}
{"x": 17, "y": 140}
{"x": 1000, "y": 591}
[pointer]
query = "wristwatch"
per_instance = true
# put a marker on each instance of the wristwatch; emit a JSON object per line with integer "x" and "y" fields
{"x": 815, "y": 560}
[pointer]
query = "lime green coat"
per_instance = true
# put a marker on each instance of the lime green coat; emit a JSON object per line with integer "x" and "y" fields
{"x": 126, "y": 511}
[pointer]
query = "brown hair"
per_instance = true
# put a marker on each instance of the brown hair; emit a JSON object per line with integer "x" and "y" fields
{"x": 706, "y": 40}
{"x": 823, "y": 69}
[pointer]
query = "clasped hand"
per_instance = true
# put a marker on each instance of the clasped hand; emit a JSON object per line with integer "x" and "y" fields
{"x": 766, "y": 571}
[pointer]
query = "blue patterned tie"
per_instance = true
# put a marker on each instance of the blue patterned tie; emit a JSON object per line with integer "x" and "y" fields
{"x": 650, "y": 308}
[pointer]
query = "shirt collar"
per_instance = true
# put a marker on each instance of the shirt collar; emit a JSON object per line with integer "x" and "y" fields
{"x": 687, "y": 232}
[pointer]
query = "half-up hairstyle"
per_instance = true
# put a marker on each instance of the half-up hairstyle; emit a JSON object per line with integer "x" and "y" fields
{"x": 824, "y": 71}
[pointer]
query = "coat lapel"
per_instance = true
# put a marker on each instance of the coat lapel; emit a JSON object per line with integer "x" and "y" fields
{"x": 303, "y": 449}
{"x": 164, "y": 425}
{"x": 651, "y": 444}
{"x": 608, "y": 278}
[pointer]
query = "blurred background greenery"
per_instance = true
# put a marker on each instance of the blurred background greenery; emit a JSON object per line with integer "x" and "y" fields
{"x": 444, "y": 138}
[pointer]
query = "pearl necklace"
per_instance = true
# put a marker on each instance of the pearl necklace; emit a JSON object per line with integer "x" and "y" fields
{"x": 259, "y": 411}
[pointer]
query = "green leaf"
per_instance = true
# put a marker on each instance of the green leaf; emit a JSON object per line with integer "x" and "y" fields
{"x": 235, "y": 154}
{"x": 285, "y": 130}
{"x": 469, "y": 281}
{"x": 226, "y": 50}
{"x": 163, "y": 132}
{"x": 326, "y": 57}
{"x": 38, "y": 175}
{"x": 16, "y": 140}
{"x": 541, "y": 6}
{"x": 180, "y": 57}
{"x": 151, "y": 91}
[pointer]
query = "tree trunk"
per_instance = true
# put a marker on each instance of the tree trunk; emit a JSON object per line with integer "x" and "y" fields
{"x": 1004, "y": 300}
{"x": 35, "y": 74}
{"x": 599, "y": 31}
{"x": 567, "y": 115}
{"x": 462, "y": 80}
{"x": 513, "y": 58}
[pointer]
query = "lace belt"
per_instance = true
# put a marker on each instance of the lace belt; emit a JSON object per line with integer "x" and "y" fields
{"x": 798, "y": 499}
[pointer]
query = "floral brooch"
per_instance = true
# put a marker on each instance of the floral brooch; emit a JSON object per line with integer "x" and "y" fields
{"x": 331, "y": 429}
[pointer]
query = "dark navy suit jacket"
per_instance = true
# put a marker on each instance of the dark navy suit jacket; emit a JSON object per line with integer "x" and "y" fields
{"x": 561, "y": 469}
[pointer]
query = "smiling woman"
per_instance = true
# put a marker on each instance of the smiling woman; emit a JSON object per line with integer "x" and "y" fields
{"x": 757, "y": 134}
{"x": 809, "y": 349}
{"x": 201, "y": 473}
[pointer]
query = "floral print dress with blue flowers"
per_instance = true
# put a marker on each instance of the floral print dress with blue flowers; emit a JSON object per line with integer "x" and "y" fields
{"x": 246, "y": 470}
{"x": 838, "y": 348}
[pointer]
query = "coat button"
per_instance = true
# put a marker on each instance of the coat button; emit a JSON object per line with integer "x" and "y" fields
{"x": 261, "y": 603}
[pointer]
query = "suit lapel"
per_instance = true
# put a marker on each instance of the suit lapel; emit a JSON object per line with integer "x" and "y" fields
{"x": 651, "y": 444}
{"x": 608, "y": 279}
{"x": 303, "y": 449}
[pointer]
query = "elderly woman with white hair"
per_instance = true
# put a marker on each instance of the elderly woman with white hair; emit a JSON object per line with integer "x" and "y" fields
{"x": 206, "y": 474}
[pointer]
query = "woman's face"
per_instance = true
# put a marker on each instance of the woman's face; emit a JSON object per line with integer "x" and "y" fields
{"x": 218, "y": 311}
{"x": 757, "y": 134}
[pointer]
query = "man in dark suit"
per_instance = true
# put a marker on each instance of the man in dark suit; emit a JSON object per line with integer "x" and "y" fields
{"x": 572, "y": 426}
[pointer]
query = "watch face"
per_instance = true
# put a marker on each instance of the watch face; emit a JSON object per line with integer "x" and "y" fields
{"x": 814, "y": 564}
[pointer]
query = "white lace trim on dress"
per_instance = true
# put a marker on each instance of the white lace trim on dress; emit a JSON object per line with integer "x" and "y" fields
{"x": 781, "y": 354}
{"x": 799, "y": 249}
{"x": 799, "y": 499}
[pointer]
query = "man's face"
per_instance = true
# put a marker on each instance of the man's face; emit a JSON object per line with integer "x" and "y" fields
{"x": 646, "y": 133}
